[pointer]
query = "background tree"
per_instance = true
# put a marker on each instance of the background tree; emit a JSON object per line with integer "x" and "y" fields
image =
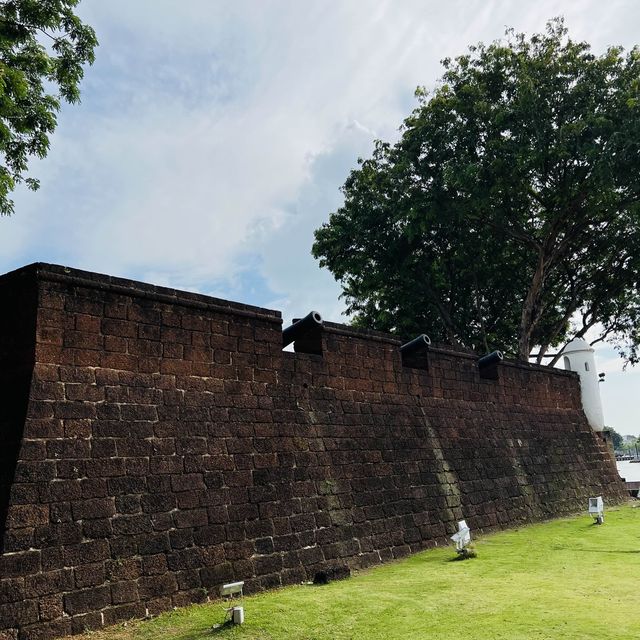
{"x": 507, "y": 215}
{"x": 616, "y": 439}
{"x": 630, "y": 445}
{"x": 43, "y": 46}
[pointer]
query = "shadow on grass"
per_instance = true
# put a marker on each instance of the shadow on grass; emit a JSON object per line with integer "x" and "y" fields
{"x": 201, "y": 630}
{"x": 585, "y": 550}
{"x": 461, "y": 558}
{"x": 219, "y": 630}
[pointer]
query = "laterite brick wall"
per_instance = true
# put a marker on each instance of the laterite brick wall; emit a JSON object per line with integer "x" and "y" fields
{"x": 158, "y": 443}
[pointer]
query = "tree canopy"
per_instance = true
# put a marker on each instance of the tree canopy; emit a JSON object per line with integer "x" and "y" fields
{"x": 43, "y": 47}
{"x": 508, "y": 213}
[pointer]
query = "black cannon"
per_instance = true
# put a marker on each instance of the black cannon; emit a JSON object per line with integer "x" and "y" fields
{"x": 488, "y": 365}
{"x": 306, "y": 327}
{"x": 414, "y": 352}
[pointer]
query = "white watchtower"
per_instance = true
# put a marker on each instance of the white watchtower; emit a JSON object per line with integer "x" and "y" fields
{"x": 578, "y": 356}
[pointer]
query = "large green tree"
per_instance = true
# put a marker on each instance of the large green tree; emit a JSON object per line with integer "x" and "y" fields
{"x": 507, "y": 215}
{"x": 43, "y": 47}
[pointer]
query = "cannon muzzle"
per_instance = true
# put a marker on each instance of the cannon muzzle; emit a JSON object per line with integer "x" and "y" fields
{"x": 490, "y": 359}
{"x": 415, "y": 346}
{"x": 488, "y": 365}
{"x": 414, "y": 352}
{"x": 300, "y": 328}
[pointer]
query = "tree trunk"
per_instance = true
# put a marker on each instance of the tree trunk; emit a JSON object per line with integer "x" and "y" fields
{"x": 557, "y": 357}
{"x": 542, "y": 353}
{"x": 527, "y": 323}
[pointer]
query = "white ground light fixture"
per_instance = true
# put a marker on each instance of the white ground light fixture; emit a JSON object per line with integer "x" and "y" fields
{"x": 596, "y": 509}
{"x": 230, "y": 590}
{"x": 462, "y": 538}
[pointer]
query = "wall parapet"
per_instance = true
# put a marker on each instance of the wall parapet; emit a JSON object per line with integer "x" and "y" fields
{"x": 111, "y": 284}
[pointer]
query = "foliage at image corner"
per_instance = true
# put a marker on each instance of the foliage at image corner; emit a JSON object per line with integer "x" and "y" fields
{"x": 43, "y": 48}
{"x": 508, "y": 214}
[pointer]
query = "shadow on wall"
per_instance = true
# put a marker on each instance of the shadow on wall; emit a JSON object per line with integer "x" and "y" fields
{"x": 12, "y": 420}
{"x": 17, "y": 356}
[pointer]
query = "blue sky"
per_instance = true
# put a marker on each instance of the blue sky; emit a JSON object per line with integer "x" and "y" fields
{"x": 213, "y": 138}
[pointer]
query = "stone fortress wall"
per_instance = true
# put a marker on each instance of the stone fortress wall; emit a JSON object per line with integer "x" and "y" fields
{"x": 157, "y": 443}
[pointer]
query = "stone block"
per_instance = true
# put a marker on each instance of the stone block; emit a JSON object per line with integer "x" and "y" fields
{"x": 42, "y": 584}
{"x": 87, "y": 600}
{"x": 155, "y": 586}
{"x": 19, "y": 564}
{"x": 89, "y": 575}
{"x": 125, "y": 591}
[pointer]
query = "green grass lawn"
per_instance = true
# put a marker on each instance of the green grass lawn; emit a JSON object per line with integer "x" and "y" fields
{"x": 562, "y": 579}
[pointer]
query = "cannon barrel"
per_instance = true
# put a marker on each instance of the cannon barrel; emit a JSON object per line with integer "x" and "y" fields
{"x": 491, "y": 359}
{"x": 417, "y": 345}
{"x": 311, "y": 322}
